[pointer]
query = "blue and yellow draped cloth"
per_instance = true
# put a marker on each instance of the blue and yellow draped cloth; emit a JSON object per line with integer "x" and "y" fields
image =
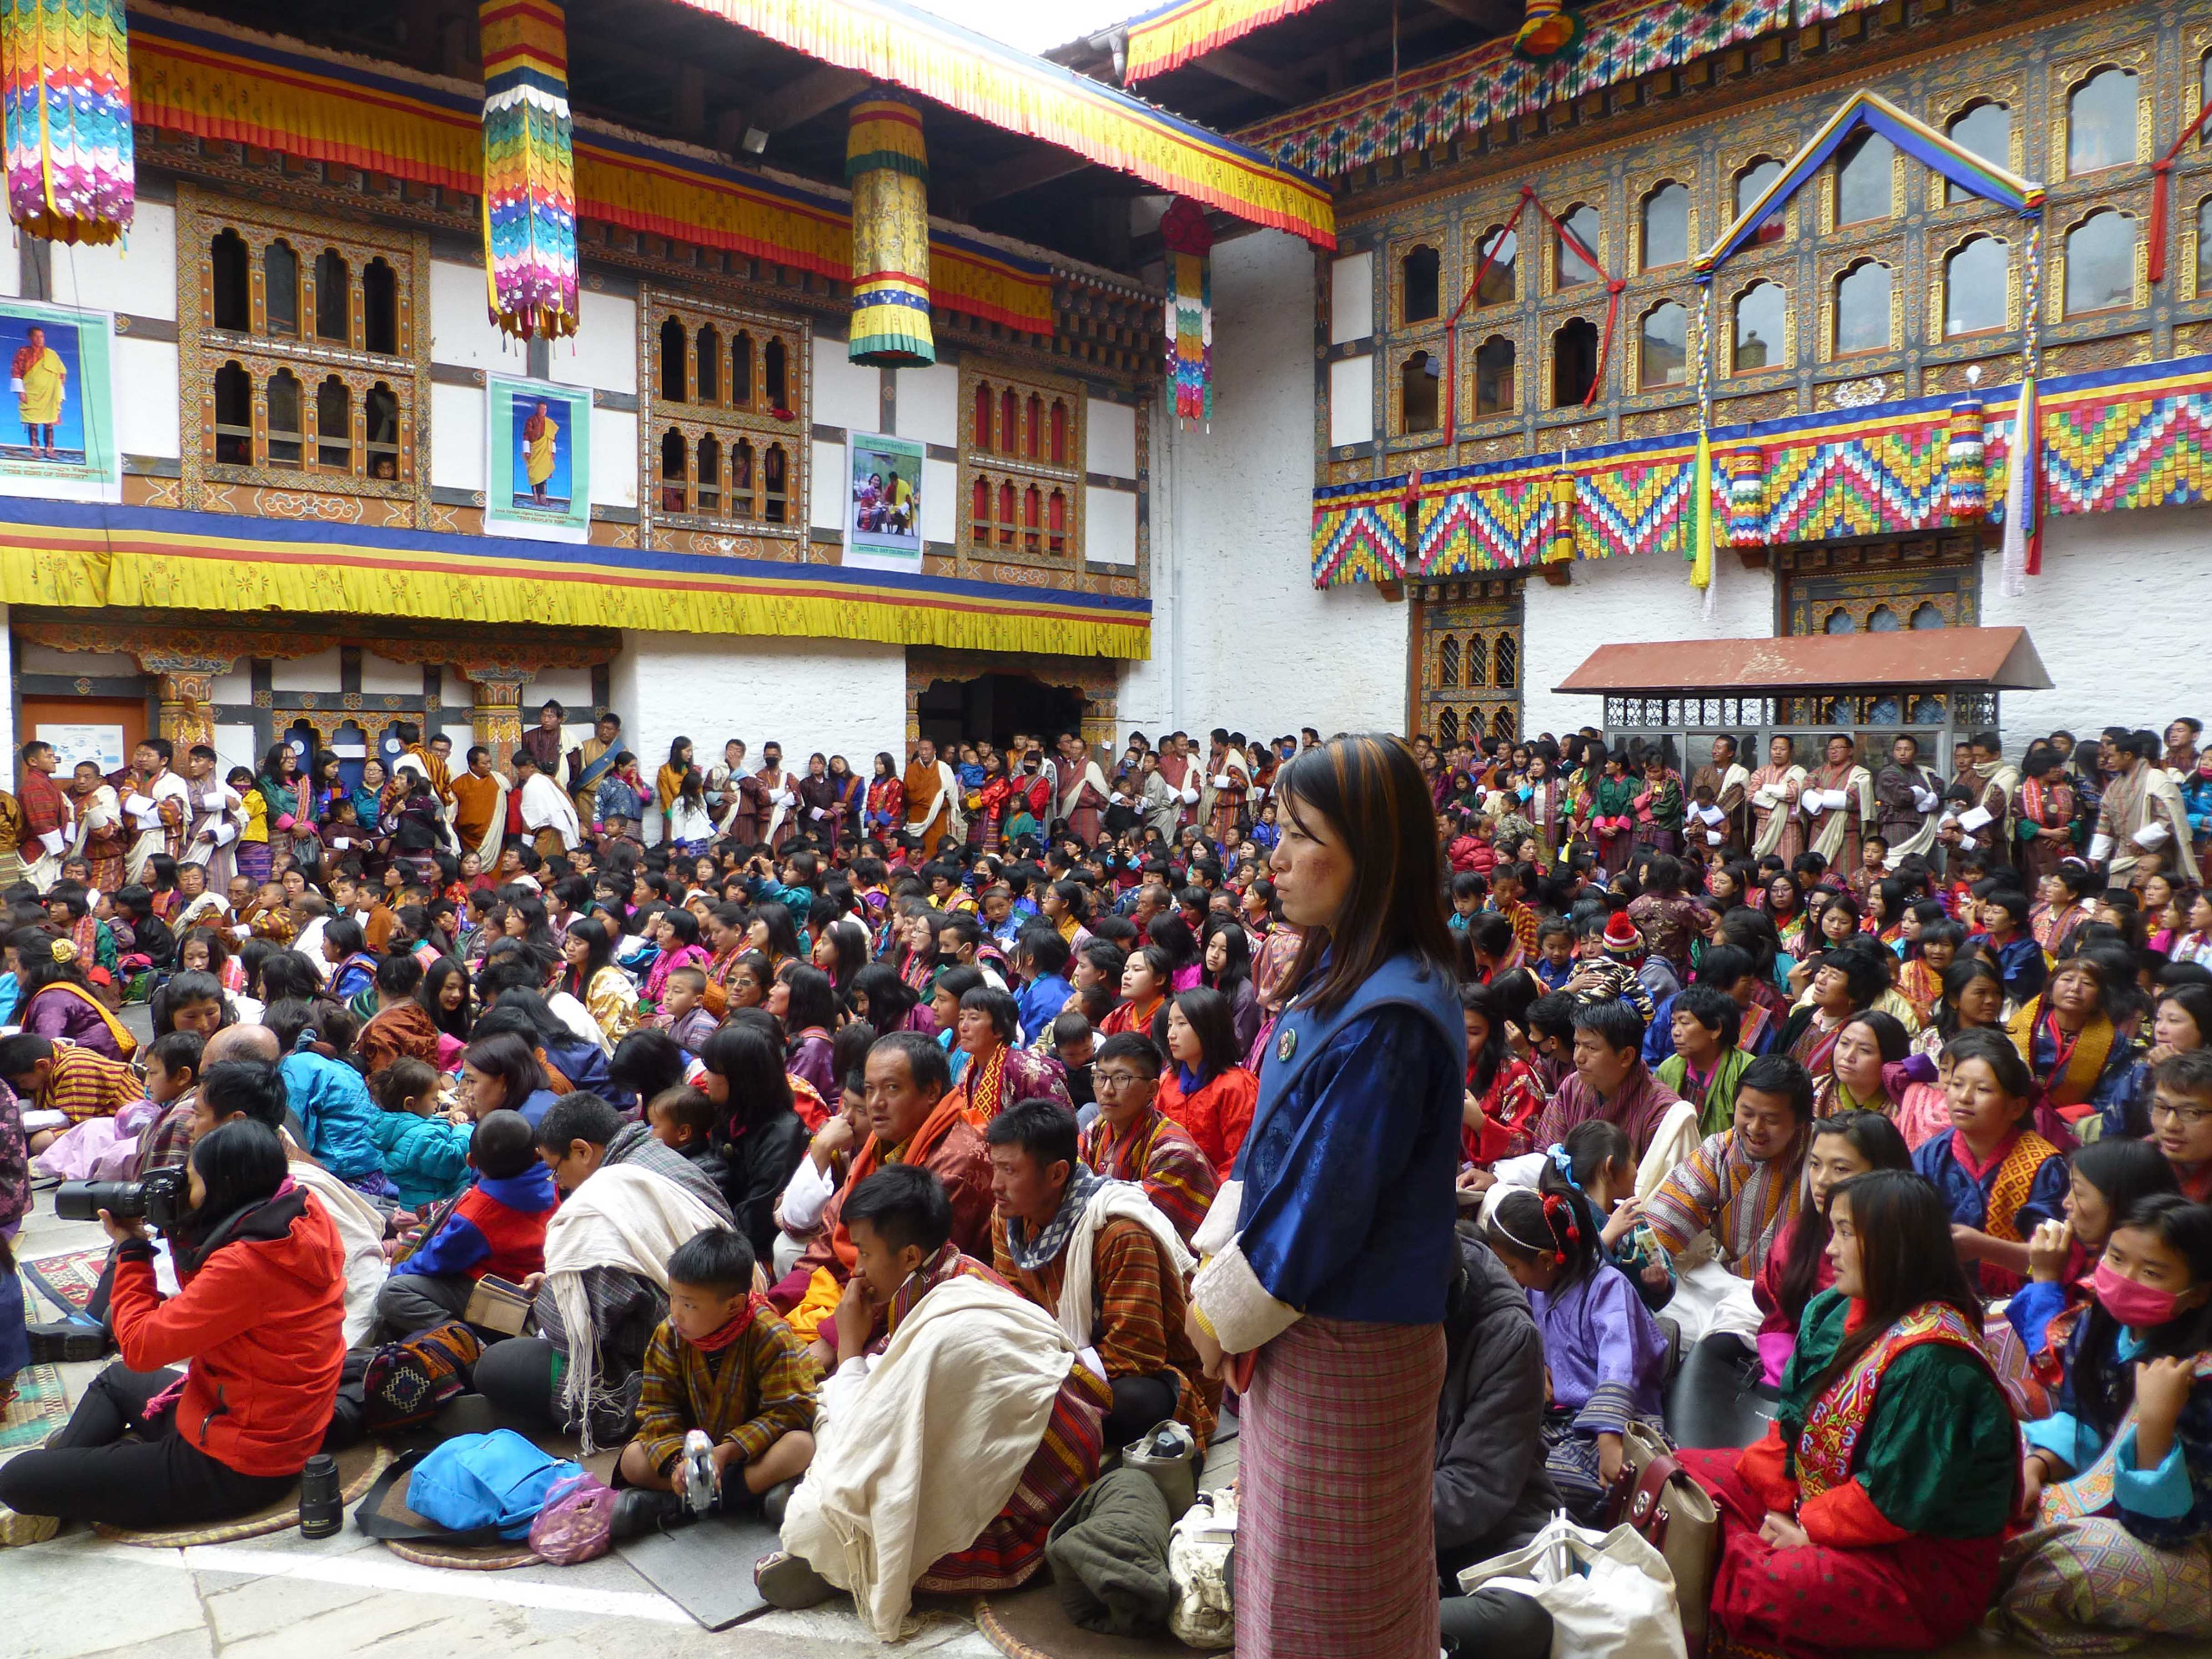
{"x": 66, "y": 96}
{"x": 1171, "y": 35}
{"x": 60, "y": 553}
{"x": 887, "y": 168}
{"x": 529, "y": 168}
{"x": 2112, "y": 440}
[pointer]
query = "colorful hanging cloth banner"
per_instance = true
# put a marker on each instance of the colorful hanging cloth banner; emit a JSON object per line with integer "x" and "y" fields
{"x": 1189, "y": 240}
{"x": 2022, "y": 554}
{"x": 887, "y": 165}
{"x": 529, "y": 168}
{"x": 1547, "y": 29}
{"x": 65, "y": 91}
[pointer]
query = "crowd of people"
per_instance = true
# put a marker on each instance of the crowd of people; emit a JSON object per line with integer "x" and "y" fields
{"x": 1458, "y": 1117}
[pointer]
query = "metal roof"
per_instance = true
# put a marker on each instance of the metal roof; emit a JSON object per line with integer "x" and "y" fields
{"x": 2000, "y": 658}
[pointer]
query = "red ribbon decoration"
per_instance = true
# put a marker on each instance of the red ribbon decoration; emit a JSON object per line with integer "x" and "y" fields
{"x": 2161, "y": 172}
{"x": 1576, "y": 246}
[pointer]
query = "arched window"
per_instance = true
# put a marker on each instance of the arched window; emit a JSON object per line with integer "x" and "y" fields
{"x": 1840, "y": 621}
{"x": 1010, "y": 421}
{"x": 380, "y": 308}
{"x": 233, "y": 417}
{"x": 1006, "y": 514}
{"x": 774, "y": 485}
{"x": 1447, "y": 725}
{"x": 285, "y": 432}
{"x": 1863, "y": 172}
{"x": 1574, "y": 362}
{"x": 1508, "y": 663}
{"x": 741, "y": 480}
{"x": 380, "y": 417}
{"x": 1927, "y": 615}
{"x": 333, "y": 301}
{"x": 1501, "y": 283}
{"x": 1986, "y": 129}
{"x": 333, "y": 426}
{"x": 979, "y": 510}
{"x": 1974, "y": 286}
{"x": 1494, "y": 377}
{"x": 1761, "y": 320}
{"x": 1501, "y": 725}
{"x": 1417, "y": 382}
{"x": 772, "y": 375}
{"x": 984, "y": 400}
{"x": 675, "y": 470}
{"x": 1881, "y": 620}
{"x": 1666, "y": 227}
{"x": 741, "y": 370}
{"x": 2204, "y": 248}
{"x": 710, "y": 470}
{"x": 1477, "y": 660}
{"x": 1056, "y": 522}
{"x": 710, "y": 370}
{"x": 1750, "y": 185}
{"x": 2101, "y": 264}
{"x": 2100, "y": 122}
{"x": 279, "y": 290}
{"x": 1663, "y": 354}
{"x": 1033, "y": 426}
{"x": 1421, "y": 273}
{"x": 228, "y": 291}
{"x": 1059, "y": 431}
{"x": 1582, "y": 223}
{"x": 1862, "y": 309}
{"x": 675, "y": 383}
{"x": 1448, "y": 662}
{"x": 1032, "y": 519}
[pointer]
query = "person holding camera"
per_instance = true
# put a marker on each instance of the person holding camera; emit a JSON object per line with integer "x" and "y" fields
{"x": 257, "y": 1327}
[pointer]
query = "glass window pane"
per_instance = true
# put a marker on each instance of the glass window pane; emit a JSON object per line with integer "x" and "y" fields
{"x": 1758, "y": 328}
{"x": 284, "y": 435}
{"x": 1664, "y": 359}
{"x": 280, "y": 283}
{"x": 1862, "y": 310}
{"x": 1986, "y": 129}
{"x": 334, "y": 426}
{"x": 1862, "y": 181}
{"x": 1666, "y": 227}
{"x": 1494, "y": 377}
{"x": 2204, "y": 247}
{"x": 1500, "y": 282}
{"x": 1974, "y": 286}
{"x": 1574, "y": 270}
{"x": 2100, "y": 264}
{"x": 1417, "y": 385}
{"x": 1751, "y": 184}
{"x": 1574, "y": 362}
{"x": 233, "y": 417}
{"x": 333, "y": 306}
{"x": 2100, "y": 122}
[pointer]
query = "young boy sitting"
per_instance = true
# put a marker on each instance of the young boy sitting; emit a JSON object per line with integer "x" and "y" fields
{"x": 723, "y": 1362}
{"x": 425, "y": 1155}
{"x": 683, "y": 1009}
{"x": 496, "y": 1227}
{"x": 682, "y": 1119}
{"x": 173, "y": 1082}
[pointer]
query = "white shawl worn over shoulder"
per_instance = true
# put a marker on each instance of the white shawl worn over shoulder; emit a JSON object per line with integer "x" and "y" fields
{"x": 621, "y": 1217}
{"x": 1078, "y": 1313}
{"x": 915, "y": 1461}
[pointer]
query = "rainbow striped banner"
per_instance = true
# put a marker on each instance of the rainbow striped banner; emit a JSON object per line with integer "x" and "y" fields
{"x": 65, "y": 95}
{"x": 887, "y": 166}
{"x": 529, "y": 168}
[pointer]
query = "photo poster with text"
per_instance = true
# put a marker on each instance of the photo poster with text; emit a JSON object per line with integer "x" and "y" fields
{"x": 57, "y": 422}
{"x": 539, "y": 483}
{"x": 883, "y": 502}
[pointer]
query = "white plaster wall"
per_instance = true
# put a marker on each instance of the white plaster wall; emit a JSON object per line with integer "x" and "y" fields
{"x": 462, "y": 332}
{"x": 841, "y": 696}
{"x": 1351, "y": 298}
{"x": 614, "y": 456}
{"x": 317, "y": 673}
{"x": 928, "y": 403}
{"x": 380, "y": 677}
{"x": 1613, "y": 601}
{"x": 1110, "y": 527}
{"x": 825, "y": 504}
{"x": 1111, "y": 446}
{"x": 235, "y": 687}
{"x": 2114, "y": 616}
{"x": 233, "y": 746}
{"x": 846, "y": 394}
{"x": 603, "y": 351}
{"x": 570, "y": 687}
{"x": 33, "y": 659}
{"x": 146, "y": 415}
{"x": 457, "y": 438}
{"x": 137, "y": 273}
{"x": 1351, "y": 399}
{"x": 1240, "y": 637}
{"x": 940, "y": 498}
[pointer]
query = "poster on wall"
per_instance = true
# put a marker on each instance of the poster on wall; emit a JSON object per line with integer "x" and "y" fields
{"x": 539, "y": 481}
{"x": 57, "y": 425}
{"x": 883, "y": 502}
{"x": 100, "y": 745}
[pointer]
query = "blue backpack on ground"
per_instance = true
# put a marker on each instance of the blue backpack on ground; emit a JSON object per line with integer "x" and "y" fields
{"x": 496, "y": 1481}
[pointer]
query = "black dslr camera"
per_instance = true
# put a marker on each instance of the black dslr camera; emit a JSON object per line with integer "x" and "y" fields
{"x": 162, "y": 1199}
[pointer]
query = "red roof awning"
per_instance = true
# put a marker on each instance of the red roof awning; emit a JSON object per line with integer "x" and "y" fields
{"x": 1999, "y": 659}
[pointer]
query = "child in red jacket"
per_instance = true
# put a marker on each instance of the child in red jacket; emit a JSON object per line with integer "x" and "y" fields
{"x": 496, "y": 1227}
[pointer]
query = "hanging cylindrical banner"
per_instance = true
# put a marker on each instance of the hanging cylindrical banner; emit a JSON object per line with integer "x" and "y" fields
{"x": 1747, "y": 479}
{"x": 887, "y": 166}
{"x": 65, "y": 89}
{"x": 1559, "y": 542}
{"x": 1965, "y": 482}
{"x": 1187, "y": 236}
{"x": 529, "y": 168}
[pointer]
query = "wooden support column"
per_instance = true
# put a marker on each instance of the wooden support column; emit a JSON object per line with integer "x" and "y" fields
{"x": 187, "y": 695}
{"x": 496, "y": 713}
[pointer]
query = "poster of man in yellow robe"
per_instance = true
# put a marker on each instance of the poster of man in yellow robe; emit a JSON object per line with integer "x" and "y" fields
{"x": 57, "y": 427}
{"x": 540, "y": 453}
{"x": 40, "y": 379}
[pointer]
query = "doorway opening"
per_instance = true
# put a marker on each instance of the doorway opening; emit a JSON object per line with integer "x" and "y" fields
{"x": 995, "y": 706}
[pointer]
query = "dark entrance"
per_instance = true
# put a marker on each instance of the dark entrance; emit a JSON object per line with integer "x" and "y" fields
{"x": 995, "y": 706}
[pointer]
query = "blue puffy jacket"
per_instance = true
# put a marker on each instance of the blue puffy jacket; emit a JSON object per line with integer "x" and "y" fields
{"x": 334, "y": 1105}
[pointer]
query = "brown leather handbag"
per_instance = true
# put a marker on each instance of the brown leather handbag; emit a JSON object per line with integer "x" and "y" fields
{"x": 1676, "y": 1516}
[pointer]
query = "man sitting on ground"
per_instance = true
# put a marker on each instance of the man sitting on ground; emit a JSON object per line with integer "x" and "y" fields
{"x": 1130, "y": 1138}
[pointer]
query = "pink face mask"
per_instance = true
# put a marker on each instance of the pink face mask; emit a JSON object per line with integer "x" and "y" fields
{"x": 2138, "y": 1305}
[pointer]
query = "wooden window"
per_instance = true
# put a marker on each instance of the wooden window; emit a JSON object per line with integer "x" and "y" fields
{"x": 1864, "y": 170}
{"x": 280, "y": 291}
{"x": 1055, "y": 521}
{"x": 1418, "y": 393}
{"x": 774, "y": 383}
{"x": 1448, "y": 663}
{"x": 1478, "y": 662}
{"x": 2100, "y": 123}
{"x": 230, "y": 302}
{"x": 708, "y": 493}
{"x": 1581, "y": 221}
{"x": 741, "y": 371}
{"x": 1501, "y": 283}
{"x": 1021, "y": 461}
{"x": 745, "y": 501}
{"x": 1761, "y": 320}
{"x": 675, "y": 472}
{"x": 1059, "y": 431}
{"x": 1508, "y": 663}
{"x": 380, "y": 308}
{"x": 1010, "y": 421}
{"x": 287, "y": 433}
{"x": 233, "y": 415}
{"x": 1974, "y": 280}
{"x": 333, "y": 426}
{"x": 986, "y": 401}
{"x": 1494, "y": 377}
{"x": 1032, "y": 424}
{"x": 709, "y": 364}
{"x": 1421, "y": 274}
{"x": 2100, "y": 264}
{"x": 1032, "y": 519}
{"x": 333, "y": 297}
{"x": 2204, "y": 248}
{"x": 674, "y": 380}
{"x": 729, "y": 390}
{"x": 1752, "y": 184}
{"x": 979, "y": 510}
{"x": 1986, "y": 129}
{"x": 1862, "y": 309}
{"x": 1574, "y": 362}
{"x": 1663, "y": 354}
{"x": 1448, "y": 724}
{"x": 1007, "y": 514}
{"x": 1666, "y": 227}
{"x": 380, "y": 421}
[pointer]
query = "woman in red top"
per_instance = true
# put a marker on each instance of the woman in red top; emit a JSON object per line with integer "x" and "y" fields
{"x": 1204, "y": 1089}
{"x": 258, "y": 1326}
{"x": 1145, "y": 978}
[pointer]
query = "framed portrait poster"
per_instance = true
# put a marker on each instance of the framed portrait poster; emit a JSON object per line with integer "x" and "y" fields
{"x": 538, "y": 482}
{"x": 883, "y": 502}
{"x": 58, "y": 424}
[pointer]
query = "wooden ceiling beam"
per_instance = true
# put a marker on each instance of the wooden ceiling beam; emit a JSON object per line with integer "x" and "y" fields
{"x": 1025, "y": 172}
{"x": 1252, "y": 75}
{"x": 811, "y": 95}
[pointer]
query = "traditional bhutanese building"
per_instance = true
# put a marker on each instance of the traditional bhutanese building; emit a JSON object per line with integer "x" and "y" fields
{"x": 1663, "y": 322}
{"x": 752, "y": 368}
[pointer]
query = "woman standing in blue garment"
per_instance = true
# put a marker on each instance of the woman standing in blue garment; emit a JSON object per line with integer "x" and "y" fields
{"x": 1332, "y": 1251}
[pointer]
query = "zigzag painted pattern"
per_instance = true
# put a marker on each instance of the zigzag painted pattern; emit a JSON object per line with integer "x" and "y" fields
{"x": 1471, "y": 531}
{"x": 1358, "y": 543}
{"x": 2100, "y": 458}
{"x": 1635, "y": 509}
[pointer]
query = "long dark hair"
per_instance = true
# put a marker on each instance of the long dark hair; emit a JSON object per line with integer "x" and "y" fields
{"x": 746, "y": 1058}
{"x": 241, "y": 1163}
{"x": 507, "y": 1057}
{"x": 1529, "y": 1225}
{"x": 809, "y": 999}
{"x": 1874, "y": 1138}
{"x": 2125, "y": 1172}
{"x": 2186, "y": 1229}
{"x": 1956, "y": 978}
{"x": 599, "y": 952}
{"x": 1483, "y": 1063}
{"x": 1208, "y": 1014}
{"x": 1906, "y": 1260}
{"x": 646, "y": 1062}
{"x": 453, "y": 1022}
{"x": 890, "y": 1000}
{"x": 1237, "y": 970}
{"x": 1368, "y": 791}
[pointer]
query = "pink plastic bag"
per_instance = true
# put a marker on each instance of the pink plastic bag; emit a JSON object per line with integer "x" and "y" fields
{"x": 577, "y": 1522}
